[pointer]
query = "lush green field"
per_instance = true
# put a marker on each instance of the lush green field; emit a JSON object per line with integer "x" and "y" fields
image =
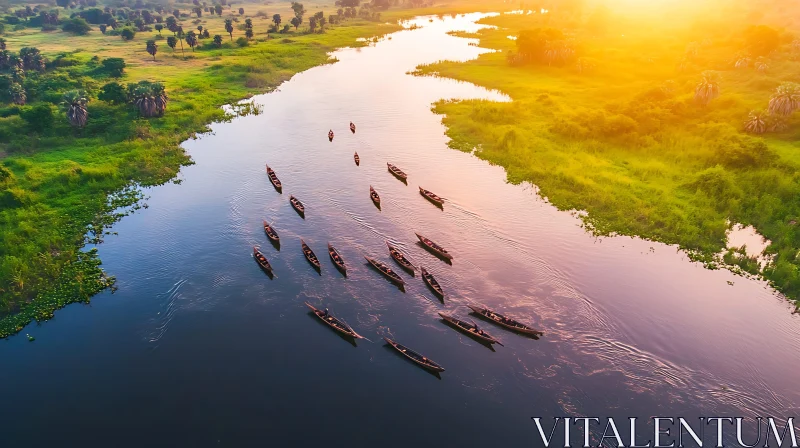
{"x": 58, "y": 181}
{"x": 624, "y": 139}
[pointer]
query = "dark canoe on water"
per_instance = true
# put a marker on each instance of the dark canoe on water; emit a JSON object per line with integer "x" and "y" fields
{"x": 374, "y": 196}
{"x": 504, "y": 321}
{"x": 262, "y": 260}
{"x": 336, "y": 258}
{"x": 357, "y": 159}
{"x": 400, "y": 258}
{"x": 298, "y": 206}
{"x": 398, "y": 173}
{"x": 432, "y": 283}
{"x": 416, "y": 357}
{"x": 310, "y": 256}
{"x": 470, "y": 329}
{"x": 387, "y": 271}
{"x": 337, "y": 324}
{"x": 271, "y": 233}
{"x": 352, "y": 127}
{"x": 431, "y": 196}
{"x": 433, "y": 247}
{"x": 330, "y": 136}
{"x": 274, "y": 179}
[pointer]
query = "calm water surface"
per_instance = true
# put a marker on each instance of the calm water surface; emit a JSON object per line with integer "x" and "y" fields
{"x": 199, "y": 348}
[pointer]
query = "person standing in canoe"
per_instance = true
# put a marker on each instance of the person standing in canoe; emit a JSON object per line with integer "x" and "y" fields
{"x": 330, "y": 135}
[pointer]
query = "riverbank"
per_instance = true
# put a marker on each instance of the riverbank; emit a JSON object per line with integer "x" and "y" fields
{"x": 57, "y": 182}
{"x": 615, "y": 131}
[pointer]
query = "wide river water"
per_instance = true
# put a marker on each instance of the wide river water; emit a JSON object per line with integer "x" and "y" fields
{"x": 199, "y": 348}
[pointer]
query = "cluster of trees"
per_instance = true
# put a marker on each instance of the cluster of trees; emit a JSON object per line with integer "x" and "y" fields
{"x": 542, "y": 45}
{"x": 28, "y": 68}
{"x": 550, "y": 46}
{"x": 15, "y": 68}
{"x": 139, "y": 19}
{"x": 782, "y": 104}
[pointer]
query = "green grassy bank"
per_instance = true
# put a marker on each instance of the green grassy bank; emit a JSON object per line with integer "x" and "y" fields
{"x": 612, "y": 127}
{"x": 62, "y": 186}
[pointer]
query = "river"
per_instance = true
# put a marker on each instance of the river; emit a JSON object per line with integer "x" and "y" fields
{"x": 199, "y": 348}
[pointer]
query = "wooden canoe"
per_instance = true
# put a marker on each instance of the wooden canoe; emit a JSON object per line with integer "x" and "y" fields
{"x": 470, "y": 329}
{"x": 400, "y": 258}
{"x": 298, "y": 206}
{"x": 335, "y": 323}
{"x": 357, "y": 159}
{"x": 431, "y": 196}
{"x": 432, "y": 283}
{"x": 274, "y": 179}
{"x": 386, "y": 271}
{"x": 504, "y": 321}
{"x": 397, "y": 172}
{"x": 422, "y": 361}
{"x": 433, "y": 247}
{"x": 336, "y": 258}
{"x": 352, "y": 127}
{"x": 330, "y": 135}
{"x": 262, "y": 260}
{"x": 374, "y": 196}
{"x": 310, "y": 256}
{"x": 271, "y": 233}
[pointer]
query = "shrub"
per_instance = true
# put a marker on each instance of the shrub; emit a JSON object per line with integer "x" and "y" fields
{"x": 743, "y": 152}
{"x": 39, "y": 117}
{"x": 717, "y": 183}
{"x": 113, "y": 66}
{"x": 127, "y": 33}
{"x": 114, "y": 93}
{"x": 242, "y": 42}
{"x": 77, "y": 26}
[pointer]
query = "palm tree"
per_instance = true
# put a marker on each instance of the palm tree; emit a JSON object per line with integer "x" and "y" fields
{"x": 205, "y": 34}
{"x": 248, "y": 33}
{"x": 200, "y": 29}
{"x": 692, "y": 48}
{"x": 756, "y": 122}
{"x": 785, "y": 100}
{"x": 218, "y": 40}
{"x": 742, "y": 62}
{"x": 248, "y": 23}
{"x": 762, "y": 66}
{"x": 171, "y": 42}
{"x": 708, "y": 87}
{"x": 191, "y": 39}
{"x": 75, "y": 104}
{"x": 17, "y": 94}
{"x": 152, "y": 48}
{"x": 149, "y": 98}
{"x": 229, "y": 27}
{"x": 585, "y": 65}
{"x": 179, "y": 33}
{"x": 159, "y": 27}
{"x": 103, "y": 27}
{"x": 32, "y": 59}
